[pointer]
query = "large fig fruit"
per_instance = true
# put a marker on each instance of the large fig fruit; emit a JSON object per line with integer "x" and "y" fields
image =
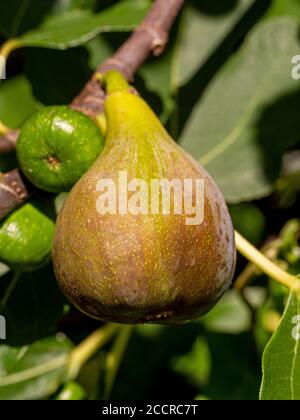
{"x": 129, "y": 259}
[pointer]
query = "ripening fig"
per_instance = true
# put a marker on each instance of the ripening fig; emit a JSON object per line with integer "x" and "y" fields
{"x": 145, "y": 235}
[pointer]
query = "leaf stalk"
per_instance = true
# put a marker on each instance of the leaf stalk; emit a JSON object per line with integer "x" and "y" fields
{"x": 265, "y": 265}
{"x": 85, "y": 350}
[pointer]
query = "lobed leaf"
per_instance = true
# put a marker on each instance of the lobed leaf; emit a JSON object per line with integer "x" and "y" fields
{"x": 76, "y": 27}
{"x": 281, "y": 359}
{"x": 35, "y": 371}
{"x": 248, "y": 116}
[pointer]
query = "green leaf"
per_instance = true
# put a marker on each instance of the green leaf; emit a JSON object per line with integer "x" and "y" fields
{"x": 23, "y": 15}
{"x": 32, "y": 306}
{"x": 71, "y": 66}
{"x": 281, "y": 359}
{"x": 91, "y": 375}
{"x": 76, "y": 27}
{"x": 288, "y": 185}
{"x": 235, "y": 373}
{"x": 203, "y": 28}
{"x": 290, "y": 247}
{"x": 139, "y": 373}
{"x": 284, "y": 7}
{"x": 63, "y": 5}
{"x": 4, "y": 269}
{"x": 195, "y": 365}
{"x": 35, "y": 371}
{"x": 99, "y": 50}
{"x": 248, "y": 115}
{"x": 231, "y": 315}
{"x": 157, "y": 76}
{"x": 18, "y": 16}
{"x": 249, "y": 220}
{"x": 16, "y": 101}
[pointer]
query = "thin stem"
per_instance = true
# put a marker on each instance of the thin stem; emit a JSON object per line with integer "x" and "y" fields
{"x": 115, "y": 357}
{"x": 270, "y": 251}
{"x": 265, "y": 265}
{"x": 113, "y": 81}
{"x": 9, "y": 46}
{"x": 9, "y": 290}
{"x": 245, "y": 277}
{"x": 101, "y": 123}
{"x": 5, "y": 51}
{"x": 85, "y": 350}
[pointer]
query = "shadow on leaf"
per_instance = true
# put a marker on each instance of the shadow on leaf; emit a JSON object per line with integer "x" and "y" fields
{"x": 278, "y": 129}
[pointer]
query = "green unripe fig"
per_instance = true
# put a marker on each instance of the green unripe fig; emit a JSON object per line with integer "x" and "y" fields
{"x": 72, "y": 391}
{"x": 26, "y": 238}
{"x": 135, "y": 264}
{"x": 57, "y": 145}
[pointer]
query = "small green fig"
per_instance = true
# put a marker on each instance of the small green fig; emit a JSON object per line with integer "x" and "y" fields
{"x": 26, "y": 238}
{"x": 72, "y": 391}
{"x": 139, "y": 262}
{"x": 57, "y": 145}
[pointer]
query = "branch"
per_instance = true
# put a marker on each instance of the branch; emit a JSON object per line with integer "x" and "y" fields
{"x": 13, "y": 191}
{"x": 150, "y": 37}
{"x": 8, "y": 141}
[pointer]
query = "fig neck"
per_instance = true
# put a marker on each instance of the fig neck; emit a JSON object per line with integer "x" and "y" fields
{"x": 129, "y": 119}
{"x": 113, "y": 81}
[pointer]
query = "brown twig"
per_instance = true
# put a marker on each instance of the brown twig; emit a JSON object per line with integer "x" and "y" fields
{"x": 8, "y": 141}
{"x": 150, "y": 38}
{"x": 13, "y": 191}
